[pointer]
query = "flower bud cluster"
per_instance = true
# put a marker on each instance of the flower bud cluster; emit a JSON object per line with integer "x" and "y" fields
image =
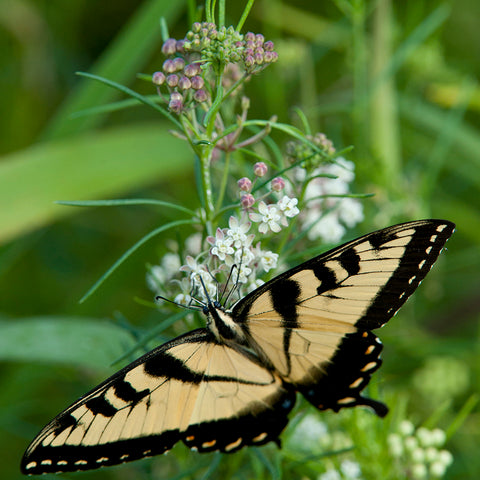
{"x": 182, "y": 76}
{"x": 418, "y": 451}
{"x": 226, "y": 45}
{"x": 185, "y": 72}
{"x": 310, "y": 158}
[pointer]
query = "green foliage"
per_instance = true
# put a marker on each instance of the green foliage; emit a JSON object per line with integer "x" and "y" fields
{"x": 393, "y": 79}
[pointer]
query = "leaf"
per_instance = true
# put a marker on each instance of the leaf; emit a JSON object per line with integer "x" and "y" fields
{"x": 56, "y": 339}
{"x": 93, "y": 165}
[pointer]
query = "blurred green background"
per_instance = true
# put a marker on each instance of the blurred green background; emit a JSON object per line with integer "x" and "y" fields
{"x": 397, "y": 80}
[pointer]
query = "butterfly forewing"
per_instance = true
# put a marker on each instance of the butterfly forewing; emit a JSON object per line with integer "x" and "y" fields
{"x": 211, "y": 396}
{"x": 298, "y": 321}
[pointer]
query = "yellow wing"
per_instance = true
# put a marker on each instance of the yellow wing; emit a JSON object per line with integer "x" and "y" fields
{"x": 311, "y": 324}
{"x": 210, "y": 396}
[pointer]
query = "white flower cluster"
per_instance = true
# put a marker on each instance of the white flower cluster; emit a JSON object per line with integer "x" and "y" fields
{"x": 230, "y": 250}
{"x": 418, "y": 451}
{"x": 275, "y": 215}
{"x": 328, "y": 211}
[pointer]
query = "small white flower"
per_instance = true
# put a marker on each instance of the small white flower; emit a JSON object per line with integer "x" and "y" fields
{"x": 171, "y": 264}
{"x": 424, "y": 436}
{"x": 418, "y": 455}
{"x": 183, "y": 299}
{"x": 411, "y": 443}
{"x": 330, "y": 475}
{"x": 431, "y": 454}
{"x": 328, "y": 228}
{"x": 268, "y": 216}
{"x": 406, "y": 427}
{"x": 351, "y": 470}
{"x": 193, "y": 267}
{"x": 438, "y": 437}
{"x": 419, "y": 470}
{"x": 237, "y": 231}
{"x": 244, "y": 256}
{"x": 395, "y": 444}
{"x": 156, "y": 278}
{"x": 343, "y": 169}
{"x": 254, "y": 284}
{"x": 222, "y": 244}
{"x": 288, "y": 206}
{"x": 268, "y": 260}
{"x": 350, "y": 211}
{"x": 437, "y": 469}
{"x": 193, "y": 244}
{"x": 309, "y": 431}
{"x": 445, "y": 457}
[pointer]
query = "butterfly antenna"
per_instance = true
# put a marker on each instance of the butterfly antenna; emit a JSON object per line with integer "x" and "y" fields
{"x": 234, "y": 286}
{"x": 188, "y": 307}
{"x": 216, "y": 281}
{"x": 207, "y": 296}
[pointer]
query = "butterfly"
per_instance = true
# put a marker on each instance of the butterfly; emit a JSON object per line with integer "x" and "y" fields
{"x": 233, "y": 383}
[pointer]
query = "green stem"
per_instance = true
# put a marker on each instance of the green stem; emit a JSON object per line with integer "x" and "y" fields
{"x": 244, "y": 16}
{"x": 223, "y": 185}
{"x": 221, "y": 13}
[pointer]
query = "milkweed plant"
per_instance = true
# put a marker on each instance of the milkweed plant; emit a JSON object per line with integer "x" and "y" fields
{"x": 260, "y": 204}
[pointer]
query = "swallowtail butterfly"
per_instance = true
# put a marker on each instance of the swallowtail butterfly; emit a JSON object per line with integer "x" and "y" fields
{"x": 233, "y": 383}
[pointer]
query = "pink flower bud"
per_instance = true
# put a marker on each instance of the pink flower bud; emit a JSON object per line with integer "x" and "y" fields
{"x": 249, "y": 61}
{"x": 179, "y": 46}
{"x": 179, "y": 63}
{"x": 197, "y": 82}
{"x": 200, "y": 96}
{"x": 245, "y": 184}
{"x": 269, "y": 46}
{"x": 169, "y": 47}
{"x": 176, "y": 96}
{"x": 168, "y": 66}
{"x": 250, "y": 37}
{"x": 184, "y": 83}
{"x": 172, "y": 80}
{"x": 175, "y": 106}
{"x": 278, "y": 184}
{"x": 247, "y": 200}
{"x": 260, "y": 169}
{"x": 192, "y": 69}
{"x": 259, "y": 39}
{"x": 258, "y": 58}
{"x": 158, "y": 78}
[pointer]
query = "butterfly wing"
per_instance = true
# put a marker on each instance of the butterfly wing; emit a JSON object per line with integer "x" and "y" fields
{"x": 209, "y": 395}
{"x": 312, "y": 324}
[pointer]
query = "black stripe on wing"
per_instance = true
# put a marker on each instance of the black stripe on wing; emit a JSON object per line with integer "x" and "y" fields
{"x": 426, "y": 242}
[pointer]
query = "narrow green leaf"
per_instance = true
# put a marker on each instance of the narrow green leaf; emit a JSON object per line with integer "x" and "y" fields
{"x": 131, "y": 250}
{"x": 132, "y": 93}
{"x": 125, "y": 201}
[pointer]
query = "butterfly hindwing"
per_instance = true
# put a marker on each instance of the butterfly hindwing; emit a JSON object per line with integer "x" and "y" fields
{"x": 303, "y": 321}
{"x": 210, "y": 396}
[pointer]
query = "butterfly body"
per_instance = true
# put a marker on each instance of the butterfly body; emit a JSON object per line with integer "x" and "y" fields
{"x": 234, "y": 382}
